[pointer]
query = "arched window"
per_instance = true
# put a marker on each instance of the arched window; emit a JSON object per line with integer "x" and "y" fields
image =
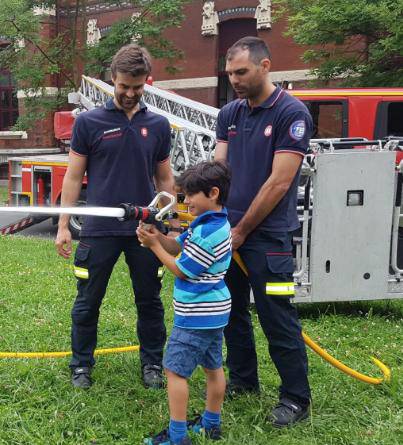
{"x": 8, "y": 101}
{"x": 230, "y": 31}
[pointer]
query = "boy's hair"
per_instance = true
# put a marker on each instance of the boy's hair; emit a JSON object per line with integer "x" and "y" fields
{"x": 131, "y": 59}
{"x": 258, "y": 49}
{"x": 203, "y": 177}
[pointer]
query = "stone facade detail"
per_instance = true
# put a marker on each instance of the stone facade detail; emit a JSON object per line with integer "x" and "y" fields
{"x": 210, "y": 20}
{"x": 44, "y": 11}
{"x": 93, "y": 33}
{"x": 136, "y": 36}
{"x": 263, "y": 14}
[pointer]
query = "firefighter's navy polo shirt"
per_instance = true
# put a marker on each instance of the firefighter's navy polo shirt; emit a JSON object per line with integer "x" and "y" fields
{"x": 122, "y": 156}
{"x": 282, "y": 123}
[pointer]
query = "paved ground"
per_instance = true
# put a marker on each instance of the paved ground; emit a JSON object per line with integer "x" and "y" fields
{"x": 45, "y": 229}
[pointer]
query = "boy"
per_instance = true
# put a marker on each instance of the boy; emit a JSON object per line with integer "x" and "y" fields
{"x": 202, "y": 301}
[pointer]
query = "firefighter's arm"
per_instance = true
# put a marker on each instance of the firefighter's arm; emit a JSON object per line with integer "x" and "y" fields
{"x": 164, "y": 182}
{"x": 285, "y": 167}
{"x": 220, "y": 153}
{"x": 72, "y": 183}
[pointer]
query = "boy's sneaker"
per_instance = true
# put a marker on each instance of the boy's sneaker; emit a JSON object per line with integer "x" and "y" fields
{"x": 213, "y": 433}
{"x": 81, "y": 377}
{"x": 287, "y": 413}
{"x": 162, "y": 438}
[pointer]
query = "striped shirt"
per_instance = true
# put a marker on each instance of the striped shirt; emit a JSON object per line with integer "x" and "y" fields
{"x": 202, "y": 300}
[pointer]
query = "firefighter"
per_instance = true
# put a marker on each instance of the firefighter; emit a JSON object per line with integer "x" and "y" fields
{"x": 124, "y": 149}
{"x": 263, "y": 135}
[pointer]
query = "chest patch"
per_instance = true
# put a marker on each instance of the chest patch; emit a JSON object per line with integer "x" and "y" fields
{"x": 113, "y": 133}
{"x": 144, "y": 132}
{"x": 268, "y": 130}
{"x": 297, "y": 130}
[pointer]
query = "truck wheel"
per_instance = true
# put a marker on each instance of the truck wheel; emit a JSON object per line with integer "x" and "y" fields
{"x": 76, "y": 221}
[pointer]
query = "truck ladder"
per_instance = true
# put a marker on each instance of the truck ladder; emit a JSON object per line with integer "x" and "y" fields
{"x": 192, "y": 123}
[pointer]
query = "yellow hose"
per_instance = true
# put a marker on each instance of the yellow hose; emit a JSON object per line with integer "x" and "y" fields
{"x": 326, "y": 356}
{"x": 66, "y": 353}
{"x": 184, "y": 216}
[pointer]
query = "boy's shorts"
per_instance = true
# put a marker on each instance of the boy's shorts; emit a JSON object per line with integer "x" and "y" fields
{"x": 188, "y": 348}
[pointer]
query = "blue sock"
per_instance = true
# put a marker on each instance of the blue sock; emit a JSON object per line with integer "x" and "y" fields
{"x": 177, "y": 430}
{"x": 210, "y": 419}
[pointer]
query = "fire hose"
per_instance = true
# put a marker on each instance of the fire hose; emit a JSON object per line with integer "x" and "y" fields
{"x": 148, "y": 215}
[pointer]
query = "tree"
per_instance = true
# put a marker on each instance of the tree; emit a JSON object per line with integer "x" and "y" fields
{"x": 360, "y": 41}
{"x": 35, "y": 61}
{"x": 146, "y": 28}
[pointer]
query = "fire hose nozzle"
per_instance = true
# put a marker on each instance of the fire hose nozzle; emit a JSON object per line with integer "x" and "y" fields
{"x": 144, "y": 214}
{"x": 150, "y": 214}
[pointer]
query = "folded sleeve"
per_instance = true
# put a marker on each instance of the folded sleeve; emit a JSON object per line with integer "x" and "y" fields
{"x": 165, "y": 142}
{"x": 222, "y": 126}
{"x": 80, "y": 136}
{"x": 197, "y": 256}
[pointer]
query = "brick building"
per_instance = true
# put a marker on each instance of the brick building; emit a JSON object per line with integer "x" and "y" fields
{"x": 205, "y": 35}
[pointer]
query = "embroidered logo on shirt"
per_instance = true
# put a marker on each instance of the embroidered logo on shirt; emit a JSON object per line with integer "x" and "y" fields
{"x": 144, "y": 132}
{"x": 232, "y": 130}
{"x": 113, "y": 133}
{"x": 297, "y": 130}
{"x": 268, "y": 130}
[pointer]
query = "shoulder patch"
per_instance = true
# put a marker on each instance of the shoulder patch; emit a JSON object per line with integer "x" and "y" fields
{"x": 297, "y": 130}
{"x": 268, "y": 130}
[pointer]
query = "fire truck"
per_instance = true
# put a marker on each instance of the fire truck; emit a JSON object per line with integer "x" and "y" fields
{"x": 338, "y": 114}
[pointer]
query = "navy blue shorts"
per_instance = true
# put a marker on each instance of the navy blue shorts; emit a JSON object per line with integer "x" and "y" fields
{"x": 188, "y": 348}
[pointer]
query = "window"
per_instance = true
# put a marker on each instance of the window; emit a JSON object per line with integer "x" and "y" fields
{"x": 389, "y": 120}
{"x": 229, "y": 32}
{"x": 395, "y": 119}
{"x": 8, "y": 101}
{"x": 329, "y": 118}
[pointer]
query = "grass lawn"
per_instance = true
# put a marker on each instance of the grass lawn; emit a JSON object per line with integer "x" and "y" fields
{"x": 3, "y": 195}
{"x": 38, "y": 405}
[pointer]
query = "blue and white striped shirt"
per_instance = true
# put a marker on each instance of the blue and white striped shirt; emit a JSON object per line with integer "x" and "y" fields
{"x": 202, "y": 300}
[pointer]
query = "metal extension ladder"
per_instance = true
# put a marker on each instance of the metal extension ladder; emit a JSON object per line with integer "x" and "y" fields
{"x": 192, "y": 123}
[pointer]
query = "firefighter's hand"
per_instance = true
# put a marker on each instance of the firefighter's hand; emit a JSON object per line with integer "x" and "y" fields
{"x": 238, "y": 238}
{"x": 148, "y": 237}
{"x": 63, "y": 243}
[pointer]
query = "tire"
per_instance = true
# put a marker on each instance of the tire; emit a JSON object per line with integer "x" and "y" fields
{"x": 75, "y": 221}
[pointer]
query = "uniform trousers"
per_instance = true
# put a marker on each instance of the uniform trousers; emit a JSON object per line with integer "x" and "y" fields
{"x": 268, "y": 259}
{"x": 94, "y": 261}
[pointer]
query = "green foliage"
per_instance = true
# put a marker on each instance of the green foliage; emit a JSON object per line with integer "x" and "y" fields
{"x": 33, "y": 64}
{"x": 154, "y": 17}
{"x": 38, "y": 405}
{"x": 360, "y": 40}
{"x": 3, "y": 195}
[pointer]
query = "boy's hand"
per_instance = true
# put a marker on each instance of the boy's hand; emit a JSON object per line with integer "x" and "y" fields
{"x": 148, "y": 237}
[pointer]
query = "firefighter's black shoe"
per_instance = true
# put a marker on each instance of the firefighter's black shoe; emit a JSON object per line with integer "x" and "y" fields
{"x": 81, "y": 377}
{"x": 152, "y": 376}
{"x": 195, "y": 425}
{"x": 287, "y": 413}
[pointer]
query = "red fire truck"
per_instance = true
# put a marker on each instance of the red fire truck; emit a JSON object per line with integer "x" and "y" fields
{"x": 372, "y": 113}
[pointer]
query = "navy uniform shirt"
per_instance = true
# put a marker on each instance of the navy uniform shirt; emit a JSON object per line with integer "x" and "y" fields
{"x": 281, "y": 123}
{"x": 122, "y": 157}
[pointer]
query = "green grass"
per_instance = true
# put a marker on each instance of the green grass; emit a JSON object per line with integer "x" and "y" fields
{"x": 3, "y": 195}
{"x": 38, "y": 405}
